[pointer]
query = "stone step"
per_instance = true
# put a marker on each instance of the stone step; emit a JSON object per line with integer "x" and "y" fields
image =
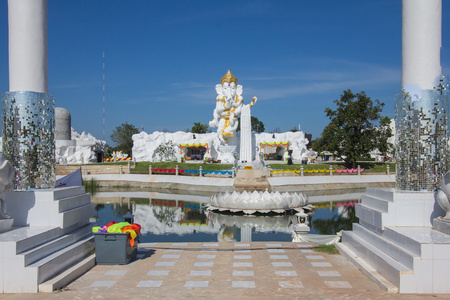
{"x": 24, "y": 238}
{"x": 376, "y": 203}
{"x": 369, "y": 215}
{"x": 381, "y": 193}
{"x": 387, "y": 246}
{"x": 73, "y": 216}
{"x": 251, "y": 180}
{"x": 423, "y": 241}
{"x": 402, "y": 240}
{"x": 366, "y": 268}
{"x": 414, "y": 209}
{"x": 69, "y": 203}
{"x": 39, "y": 208}
{"x": 43, "y": 250}
{"x": 63, "y": 259}
{"x": 52, "y": 234}
{"x": 69, "y": 275}
{"x": 387, "y": 266}
{"x": 61, "y": 193}
{"x": 251, "y": 188}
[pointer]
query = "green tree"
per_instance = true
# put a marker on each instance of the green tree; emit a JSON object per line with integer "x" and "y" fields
{"x": 199, "y": 128}
{"x": 315, "y": 144}
{"x": 122, "y": 137}
{"x": 257, "y": 125}
{"x": 166, "y": 151}
{"x": 343, "y": 221}
{"x": 353, "y": 132}
{"x": 385, "y": 133}
{"x": 109, "y": 151}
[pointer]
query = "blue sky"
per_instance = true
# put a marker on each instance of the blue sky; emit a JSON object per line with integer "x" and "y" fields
{"x": 163, "y": 58}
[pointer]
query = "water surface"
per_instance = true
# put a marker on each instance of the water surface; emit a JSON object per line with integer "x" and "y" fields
{"x": 172, "y": 217}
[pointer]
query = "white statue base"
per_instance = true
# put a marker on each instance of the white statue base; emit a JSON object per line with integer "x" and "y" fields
{"x": 255, "y": 165}
{"x": 395, "y": 238}
{"x": 226, "y": 154}
{"x": 51, "y": 242}
{"x": 6, "y": 225}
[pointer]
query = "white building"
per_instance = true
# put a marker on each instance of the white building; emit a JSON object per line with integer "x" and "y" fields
{"x": 194, "y": 146}
{"x": 81, "y": 148}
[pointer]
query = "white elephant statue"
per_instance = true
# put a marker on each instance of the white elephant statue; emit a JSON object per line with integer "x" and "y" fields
{"x": 229, "y": 104}
{"x": 7, "y": 174}
{"x": 443, "y": 195}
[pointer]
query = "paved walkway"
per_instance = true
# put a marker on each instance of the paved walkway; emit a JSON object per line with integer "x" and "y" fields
{"x": 256, "y": 270}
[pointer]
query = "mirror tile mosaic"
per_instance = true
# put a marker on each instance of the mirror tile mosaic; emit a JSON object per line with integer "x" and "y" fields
{"x": 421, "y": 138}
{"x": 28, "y": 138}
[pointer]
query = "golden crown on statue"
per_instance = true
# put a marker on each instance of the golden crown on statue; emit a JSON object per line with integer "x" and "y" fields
{"x": 229, "y": 78}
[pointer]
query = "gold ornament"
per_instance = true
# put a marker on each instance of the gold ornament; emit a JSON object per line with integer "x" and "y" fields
{"x": 229, "y": 78}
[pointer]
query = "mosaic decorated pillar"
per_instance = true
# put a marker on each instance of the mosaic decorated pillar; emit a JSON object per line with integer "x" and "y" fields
{"x": 421, "y": 138}
{"x": 422, "y": 108}
{"x": 28, "y": 109}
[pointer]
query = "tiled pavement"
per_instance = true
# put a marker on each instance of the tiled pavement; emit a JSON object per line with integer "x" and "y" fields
{"x": 257, "y": 270}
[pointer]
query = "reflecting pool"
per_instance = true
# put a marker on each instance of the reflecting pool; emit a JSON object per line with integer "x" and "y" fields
{"x": 169, "y": 217}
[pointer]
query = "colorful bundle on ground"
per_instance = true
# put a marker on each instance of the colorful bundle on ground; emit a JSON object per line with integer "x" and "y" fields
{"x": 122, "y": 227}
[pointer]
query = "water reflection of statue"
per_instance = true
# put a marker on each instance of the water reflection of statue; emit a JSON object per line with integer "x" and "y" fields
{"x": 229, "y": 103}
{"x": 227, "y": 234}
{"x": 6, "y": 179}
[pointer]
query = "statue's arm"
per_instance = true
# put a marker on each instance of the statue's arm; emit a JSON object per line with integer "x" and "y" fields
{"x": 238, "y": 106}
{"x": 216, "y": 113}
{"x": 215, "y": 121}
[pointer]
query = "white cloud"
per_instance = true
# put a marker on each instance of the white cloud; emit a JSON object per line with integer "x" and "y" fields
{"x": 339, "y": 75}
{"x": 342, "y": 75}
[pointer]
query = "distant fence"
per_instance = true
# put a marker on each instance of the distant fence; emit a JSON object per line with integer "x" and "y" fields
{"x": 303, "y": 172}
{"x": 117, "y": 159}
{"x": 192, "y": 172}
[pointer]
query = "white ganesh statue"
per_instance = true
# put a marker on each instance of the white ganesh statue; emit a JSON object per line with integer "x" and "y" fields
{"x": 229, "y": 103}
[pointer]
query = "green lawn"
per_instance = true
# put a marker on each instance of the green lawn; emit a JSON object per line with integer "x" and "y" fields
{"x": 123, "y": 163}
{"x": 143, "y": 166}
{"x": 369, "y": 167}
{"x": 330, "y": 249}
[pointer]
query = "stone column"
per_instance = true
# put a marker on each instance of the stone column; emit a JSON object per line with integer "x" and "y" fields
{"x": 245, "y": 152}
{"x": 246, "y": 233}
{"x": 422, "y": 108}
{"x": 28, "y": 54}
{"x": 28, "y": 109}
{"x": 63, "y": 124}
{"x": 421, "y": 43}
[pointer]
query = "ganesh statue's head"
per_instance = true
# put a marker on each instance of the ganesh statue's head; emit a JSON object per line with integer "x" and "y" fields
{"x": 229, "y": 87}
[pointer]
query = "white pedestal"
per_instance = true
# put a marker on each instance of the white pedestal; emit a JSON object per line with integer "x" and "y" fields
{"x": 60, "y": 207}
{"x": 395, "y": 238}
{"x": 51, "y": 234}
{"x": 226, "y": 154}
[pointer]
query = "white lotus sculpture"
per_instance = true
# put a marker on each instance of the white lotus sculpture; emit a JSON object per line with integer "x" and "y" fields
{"x": 274, "y": 223}
{"x": 261, "y": 202}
